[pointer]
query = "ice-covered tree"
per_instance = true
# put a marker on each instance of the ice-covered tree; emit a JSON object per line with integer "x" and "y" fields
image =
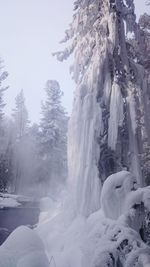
{"x": 109, "y": 119}
{"x": 53, "y": 134}
{"x": 107, "y": 130}
{"x": 143, "y": 48}
{"x": 139, "y": 50}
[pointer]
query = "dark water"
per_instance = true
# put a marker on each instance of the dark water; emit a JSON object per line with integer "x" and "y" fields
{"x": 11, "y": 218}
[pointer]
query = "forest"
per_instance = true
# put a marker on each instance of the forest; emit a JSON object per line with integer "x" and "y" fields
{"x": 85, "y": 176}
{"x": 33, "y": 158}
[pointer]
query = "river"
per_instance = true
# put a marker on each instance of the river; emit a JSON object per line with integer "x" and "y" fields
{"x": 10, "y": 218}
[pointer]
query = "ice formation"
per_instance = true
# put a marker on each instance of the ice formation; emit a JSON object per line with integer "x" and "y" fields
{"x": 109, "y": 124}
{"x": 106, "y": 133}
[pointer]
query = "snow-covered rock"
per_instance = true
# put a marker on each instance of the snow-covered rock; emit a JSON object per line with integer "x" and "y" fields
{"x": 115, "y": 190}
{"x": 23, "y": 248}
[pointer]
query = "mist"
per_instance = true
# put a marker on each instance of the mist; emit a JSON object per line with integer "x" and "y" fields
{"x": 74, "y": 133}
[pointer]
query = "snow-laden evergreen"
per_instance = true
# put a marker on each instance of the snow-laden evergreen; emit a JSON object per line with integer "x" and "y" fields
{"x": 20, "y": 116}
{"x": 53, "y": 137}
{"x": 108, "y": 125}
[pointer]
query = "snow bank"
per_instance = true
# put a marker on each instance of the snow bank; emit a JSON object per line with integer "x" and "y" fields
{"x": 8, "y": 203}
{"x": 10, "y": 200}
{"x": 23, "y": 248}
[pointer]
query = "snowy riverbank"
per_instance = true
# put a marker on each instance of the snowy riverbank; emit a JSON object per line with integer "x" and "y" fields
{"x": 65, "y": 238}
{"x": 12, "y": 200}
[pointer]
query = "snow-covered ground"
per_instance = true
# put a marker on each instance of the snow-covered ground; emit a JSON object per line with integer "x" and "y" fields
{"x": 11, "y": 200}
{"x": 108, "y": 237}
{"x": 23, "y": 248}
{"x": 8, "y": 202}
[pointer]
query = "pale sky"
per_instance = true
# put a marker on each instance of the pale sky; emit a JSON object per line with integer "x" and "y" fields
{"x": 30, "y": 31}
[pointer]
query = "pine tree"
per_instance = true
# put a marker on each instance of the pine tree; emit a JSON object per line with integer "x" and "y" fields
{"x": 6, "y": 160}
{"x": 3, "y": 77}
{"x": 53, "y": 131}
{"x": 20, "y": 142}
{"x": 20, "y": 116}
{"x": 4, "y": 157}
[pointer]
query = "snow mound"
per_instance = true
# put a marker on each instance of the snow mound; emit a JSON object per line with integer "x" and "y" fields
{"x": 114, "y": 193}
{"x": 139, "y": 197}
{"x": 23, "y": 248}
{"x": 48, "y": 208}
{"x": 34, "y": 259}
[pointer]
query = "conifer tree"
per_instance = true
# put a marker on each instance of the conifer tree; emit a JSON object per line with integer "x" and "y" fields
{"x": 4, "y": 156}
{"x": 3, "y": 77}
{"x": 20, "y": 142}
{"x": 53, "y": 134}
{"x": 20, "y": 116}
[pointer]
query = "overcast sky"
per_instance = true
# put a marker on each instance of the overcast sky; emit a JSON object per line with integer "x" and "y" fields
{"x": 30, "y": 30}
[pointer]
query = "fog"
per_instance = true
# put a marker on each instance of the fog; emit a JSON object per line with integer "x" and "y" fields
{"x": 74, "y": 175}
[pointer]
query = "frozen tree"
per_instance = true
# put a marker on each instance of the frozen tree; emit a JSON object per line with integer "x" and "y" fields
{"x": 139, "y": 49}
{"x": 109, "y": 121}
{"x": 107, "y": 132}
{"x": 53, "y": 135}
{"x": 139, "y": 46}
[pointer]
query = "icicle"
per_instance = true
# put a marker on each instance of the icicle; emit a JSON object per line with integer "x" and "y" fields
{"x": 116, "y": 115}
